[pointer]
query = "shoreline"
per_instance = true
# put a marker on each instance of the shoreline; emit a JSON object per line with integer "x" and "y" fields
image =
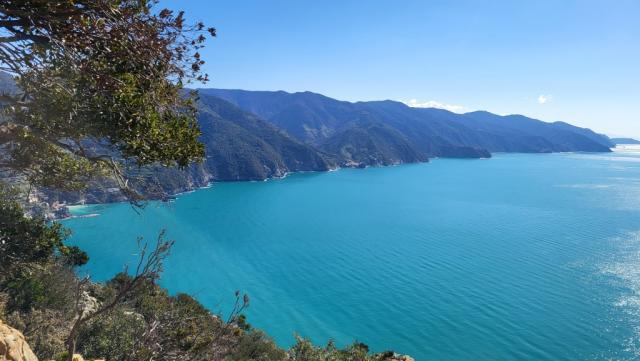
{"x": 172, "y": 196}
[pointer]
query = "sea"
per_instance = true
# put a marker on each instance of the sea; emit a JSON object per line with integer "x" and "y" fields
{"x": 517, "y": 257}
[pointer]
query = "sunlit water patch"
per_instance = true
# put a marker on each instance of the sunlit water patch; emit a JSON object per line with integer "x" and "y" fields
{"x": 623, "y": 265}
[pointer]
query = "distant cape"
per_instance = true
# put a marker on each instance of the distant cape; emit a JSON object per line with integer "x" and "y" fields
{"x": 618, "y": 141}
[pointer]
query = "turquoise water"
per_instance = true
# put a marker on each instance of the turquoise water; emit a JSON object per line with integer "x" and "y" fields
{"x": 527, "y": 257}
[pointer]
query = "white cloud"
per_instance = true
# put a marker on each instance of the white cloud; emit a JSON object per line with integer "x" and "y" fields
{"x": 415, "y": 103}
{"x": 543, "y": 99}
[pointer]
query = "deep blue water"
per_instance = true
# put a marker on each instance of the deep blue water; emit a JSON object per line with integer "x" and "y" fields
{"x": 528, "y": 257}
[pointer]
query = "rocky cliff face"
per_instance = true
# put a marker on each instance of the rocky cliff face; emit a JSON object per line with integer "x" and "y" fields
{"x": 13, "y": 346}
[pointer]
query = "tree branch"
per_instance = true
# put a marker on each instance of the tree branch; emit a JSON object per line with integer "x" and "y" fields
{"x": 148, "y": 269}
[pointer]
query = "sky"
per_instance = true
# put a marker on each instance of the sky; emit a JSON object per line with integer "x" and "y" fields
{"x": 577, "y": 61}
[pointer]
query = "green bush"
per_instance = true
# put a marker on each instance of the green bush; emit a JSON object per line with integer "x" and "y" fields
{"x": 114, "y": 336}
{"x": 25, "y": 292}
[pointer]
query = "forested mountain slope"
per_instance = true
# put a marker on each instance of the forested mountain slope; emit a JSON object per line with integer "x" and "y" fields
{"x": 331, "y": 124}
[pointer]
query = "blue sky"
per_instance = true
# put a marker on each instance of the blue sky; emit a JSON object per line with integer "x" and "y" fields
{"x": 576, "y": 61}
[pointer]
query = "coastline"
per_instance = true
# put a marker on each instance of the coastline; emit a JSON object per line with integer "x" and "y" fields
{"x": 71, "y": 208}
{"x": 170, "y": 197}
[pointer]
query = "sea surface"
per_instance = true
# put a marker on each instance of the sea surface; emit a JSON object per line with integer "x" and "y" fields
{"x": 519, "y": 257}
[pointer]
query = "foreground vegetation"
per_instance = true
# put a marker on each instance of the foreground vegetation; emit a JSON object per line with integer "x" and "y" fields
{"x": 99, "y": 86}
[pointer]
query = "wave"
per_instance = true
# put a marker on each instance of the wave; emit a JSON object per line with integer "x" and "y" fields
{"x": 585, "y": 186}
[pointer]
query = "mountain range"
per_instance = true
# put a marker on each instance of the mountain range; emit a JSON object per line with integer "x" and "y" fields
{"x": 256, "y": 135}
{"x": 253, "y": 135}
{"x": 390, "y": 132}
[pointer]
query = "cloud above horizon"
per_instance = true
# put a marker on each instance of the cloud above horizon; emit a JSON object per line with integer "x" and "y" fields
{"x": 415, "y": 103}
{"x": 544, "y": 99}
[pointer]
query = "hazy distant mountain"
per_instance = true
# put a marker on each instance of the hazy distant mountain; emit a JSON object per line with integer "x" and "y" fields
{"x": 412, "y": 133}
{"x": 617, "y": 141}
{"x": 517, "y": 133}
